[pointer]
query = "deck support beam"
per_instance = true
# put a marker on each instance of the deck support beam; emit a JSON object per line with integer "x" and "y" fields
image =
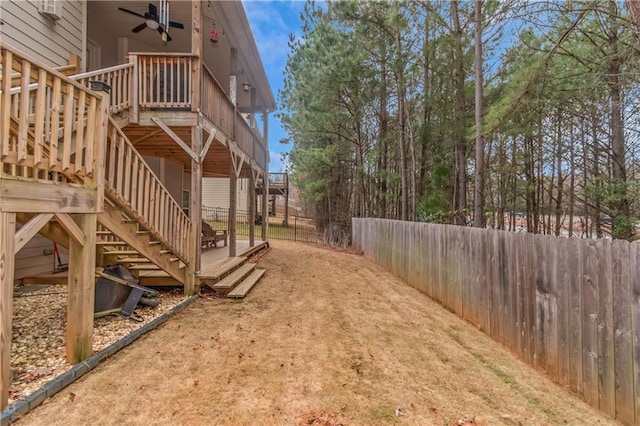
{"x": 265, "y": 208}
{"x": 252, "y": 207}
{"x": 233, "y": 208}
{"x": 82, "y": 265}
{"x": 195, "y": 206}
{"x": 30, "y": 229}
{"x": 195, "y": 210}
{"x": 7, "y": 266}
{"x": 190, "y": 152}
{"x": 265, "y": 178}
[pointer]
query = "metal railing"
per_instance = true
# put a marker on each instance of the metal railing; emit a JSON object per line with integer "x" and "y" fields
{"x": 299, "y": 229}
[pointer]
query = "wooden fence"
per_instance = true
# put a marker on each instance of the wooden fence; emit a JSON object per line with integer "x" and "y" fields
{"x": 569, "y": 307}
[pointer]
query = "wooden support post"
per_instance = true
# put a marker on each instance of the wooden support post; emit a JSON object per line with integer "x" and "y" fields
{"x": 265, "y": 178}
{"x": 74, "y": 60}
{"x": 233, "y": 207}
{"x": 265, "y": 208}
{"x": 134, "y": 110}
{"x": 252, "y": 208}
{"x": 286, "y": 201}
{"x": 81, "y": 290}
{"x": 195, "y": 210}
{"x": 195, "y": 207}
{"x": 7, "y": 263}
{"x": 196, "y": 49}
{"x": 253, "y": 107}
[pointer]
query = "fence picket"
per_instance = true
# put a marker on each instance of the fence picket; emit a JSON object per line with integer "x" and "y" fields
{"x": 634, "y": 265}
{"x": 606, "y": 380}
{"x": 562, "y": 284}
{"x": 551, "y": 311}
{"x": 575, "y": 315}
{"x": 623, "y": 345}
{"x": 570, "y": 307}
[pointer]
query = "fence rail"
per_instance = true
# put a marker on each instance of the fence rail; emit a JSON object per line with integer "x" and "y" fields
{"x": 567, "y": 306}
{"x": 302, "y": 230}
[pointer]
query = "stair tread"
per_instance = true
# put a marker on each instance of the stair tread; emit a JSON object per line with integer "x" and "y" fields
{"x": 121, "y": 252}
{"x": 233, "y": 278}
{"x": 142, "y": 260}
{"x": 111, "y": 243}
{"x": 144, "y": 267}
{"x": 247, "y": 284}
{"x": 134, "y": 260}
{"x": 222, "y": 268}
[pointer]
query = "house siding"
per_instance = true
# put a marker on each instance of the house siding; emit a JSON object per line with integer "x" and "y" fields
{"x": 215, "y": 193}
{"x": 32, "y": 260}
{"x": 42, "y": 38}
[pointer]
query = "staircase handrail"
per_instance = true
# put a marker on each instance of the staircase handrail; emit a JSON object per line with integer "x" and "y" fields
{"x": 41, "y": 112}
{"x": 132, "y": 183}
{"x": 120, "y": 80}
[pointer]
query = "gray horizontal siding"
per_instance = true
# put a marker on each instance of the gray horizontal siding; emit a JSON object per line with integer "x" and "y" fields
{"x": 31, "y": 260}
{"x": 48, "y": 41}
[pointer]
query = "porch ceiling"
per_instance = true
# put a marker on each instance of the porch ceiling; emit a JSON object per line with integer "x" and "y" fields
{"x": 152, "y": 141}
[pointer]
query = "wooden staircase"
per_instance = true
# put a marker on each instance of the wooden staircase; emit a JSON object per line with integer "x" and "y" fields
{"x": 236, "y": 278}
{"x": 123, "y": 240}
{"x": 60, "y": 132}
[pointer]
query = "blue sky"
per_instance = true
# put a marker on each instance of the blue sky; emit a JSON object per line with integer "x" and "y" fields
{"x": 272, "y": 22}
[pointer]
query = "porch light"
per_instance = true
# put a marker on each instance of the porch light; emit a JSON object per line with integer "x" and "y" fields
{"x": 214, "y": 36}
{"x": 246, "y": 86}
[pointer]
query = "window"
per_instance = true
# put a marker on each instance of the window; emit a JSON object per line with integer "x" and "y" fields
{"x": 186, "y": 200}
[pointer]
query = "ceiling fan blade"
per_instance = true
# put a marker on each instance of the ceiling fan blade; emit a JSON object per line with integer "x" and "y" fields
{"x": 164, "y": 34}
{"x": 131, "y": 12}
{"x": 176, "y": 24}
{"x": 153, "y": 11}
{"x": 140, "y": 27}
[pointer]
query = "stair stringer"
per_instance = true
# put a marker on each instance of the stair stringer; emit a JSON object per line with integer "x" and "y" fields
{"x": 111, "y": 219}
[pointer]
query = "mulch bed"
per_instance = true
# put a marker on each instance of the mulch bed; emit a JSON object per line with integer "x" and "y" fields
{"x": 38, "y": 351}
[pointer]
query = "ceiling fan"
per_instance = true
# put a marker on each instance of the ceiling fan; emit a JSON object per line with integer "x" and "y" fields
{"x": 155, "y": 21}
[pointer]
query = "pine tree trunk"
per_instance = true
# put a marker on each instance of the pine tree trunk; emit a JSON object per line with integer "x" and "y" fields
{"x": 460, "y": 190}
{"x": 478, "y": 199}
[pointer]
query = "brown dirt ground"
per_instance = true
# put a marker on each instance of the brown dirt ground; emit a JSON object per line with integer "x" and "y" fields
{"x": 326, "y": 338}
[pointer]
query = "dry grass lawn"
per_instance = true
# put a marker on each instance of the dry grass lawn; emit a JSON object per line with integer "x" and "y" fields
{"x": 326, "y": 337}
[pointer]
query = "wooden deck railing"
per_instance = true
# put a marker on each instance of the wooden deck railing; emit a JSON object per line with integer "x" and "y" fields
{"x": 278, "y": 180}
{"x": 51, "y": 126}
{"x": 163, "y": 80}
{"x": 130, "y": 180}
{"x": 119, "y": 78}
{"x": 216, "y": 105}
{"x": 219, "y": 108}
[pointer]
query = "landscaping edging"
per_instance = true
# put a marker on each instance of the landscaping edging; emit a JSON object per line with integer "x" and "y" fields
{"x": 20, "y": 408}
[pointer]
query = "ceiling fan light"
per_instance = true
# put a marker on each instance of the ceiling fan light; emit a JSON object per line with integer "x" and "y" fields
{"x": 152, "y": 24}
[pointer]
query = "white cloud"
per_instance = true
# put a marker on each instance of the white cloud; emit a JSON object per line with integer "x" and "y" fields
{"x": 276, "y": 162}
{"x": 271, "y": 23}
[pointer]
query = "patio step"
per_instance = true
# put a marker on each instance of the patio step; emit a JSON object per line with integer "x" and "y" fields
{"x": 229, "y": 282}
{"x": 247, "y": 284}
{"x": 223, "y": 268}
